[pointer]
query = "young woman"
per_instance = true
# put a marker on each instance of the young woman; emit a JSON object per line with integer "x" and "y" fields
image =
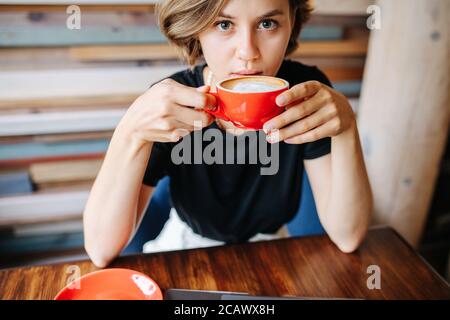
{"x": 230, "y": 203}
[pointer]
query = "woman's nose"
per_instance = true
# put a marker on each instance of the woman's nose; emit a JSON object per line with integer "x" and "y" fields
{"x": 247, "y": 49}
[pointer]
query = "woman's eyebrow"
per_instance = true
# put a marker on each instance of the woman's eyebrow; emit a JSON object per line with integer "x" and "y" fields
{"x": 266, "y": 15}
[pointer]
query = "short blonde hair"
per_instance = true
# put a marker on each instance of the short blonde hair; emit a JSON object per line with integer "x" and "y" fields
{"x": 182, "y": 20}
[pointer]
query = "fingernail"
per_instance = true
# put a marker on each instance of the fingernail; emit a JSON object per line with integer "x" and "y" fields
{"x": 271, "y": 138}
{"x": 202, "y": 88}
{"x": 281, "y": 100}
{"x": 267, "y": 128}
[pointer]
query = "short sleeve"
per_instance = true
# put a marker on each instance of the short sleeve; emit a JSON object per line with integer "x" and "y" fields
{"x": 158, "y": 164}
{"x": 319, "y": 148}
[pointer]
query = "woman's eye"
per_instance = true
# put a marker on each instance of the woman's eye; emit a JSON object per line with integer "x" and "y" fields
{"x": 268, "y": 24}
{"x": 226, "y": 25}
{"x": 223, "y": 25}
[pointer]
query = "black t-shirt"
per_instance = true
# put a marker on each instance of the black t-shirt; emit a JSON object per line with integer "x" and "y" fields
{"x": 232, "y": 202}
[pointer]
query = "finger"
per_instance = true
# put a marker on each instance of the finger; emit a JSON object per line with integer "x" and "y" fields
{"x": 157, "y": 135}
{"x": 306, "y": 124}
{"x": 212, "y": 102}
{"x": 297, "y": 92}
{"x": 192, "y": 117}
{"x": 179, "y": 134}
{"x": 166, "y": 136}
{"x": 190, "y": 97}
{"x": 204, "y": 89}
{"x": 292, "y": 114}
{"x": 318, "y": 133}
{"x": 170, "y": 124}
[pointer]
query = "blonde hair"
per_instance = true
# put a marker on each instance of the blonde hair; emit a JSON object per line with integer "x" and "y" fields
{"x": 182, "y": 20}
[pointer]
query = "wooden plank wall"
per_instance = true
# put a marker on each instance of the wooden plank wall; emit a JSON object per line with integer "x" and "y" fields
{"x": 63, "y": 92}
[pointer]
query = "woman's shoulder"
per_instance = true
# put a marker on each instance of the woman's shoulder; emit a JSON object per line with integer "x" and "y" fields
{"x": 192, "y": 77}
{"x": 296, "y": 72}
{"x": 189, "y": 77}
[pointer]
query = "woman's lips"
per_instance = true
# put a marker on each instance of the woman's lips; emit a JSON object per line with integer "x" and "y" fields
{"x": 246, "y": 73}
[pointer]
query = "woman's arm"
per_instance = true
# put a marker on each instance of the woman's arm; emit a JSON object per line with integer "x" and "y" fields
{"x": 118, "y": 199}
{"x": 341, "y": 190}
{"x": 339, "y": 181}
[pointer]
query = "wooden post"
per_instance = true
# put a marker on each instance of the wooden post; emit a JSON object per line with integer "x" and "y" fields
{"x": 405, "y": 110}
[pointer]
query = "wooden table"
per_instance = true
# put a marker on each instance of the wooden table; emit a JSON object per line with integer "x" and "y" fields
{"x": 307, "y": 267}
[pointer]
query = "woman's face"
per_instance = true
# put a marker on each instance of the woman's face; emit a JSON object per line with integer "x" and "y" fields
{"x": 248, "y": 36}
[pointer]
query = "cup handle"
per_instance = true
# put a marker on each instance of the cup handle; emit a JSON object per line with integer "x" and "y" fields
{"x": 218, "y": 111}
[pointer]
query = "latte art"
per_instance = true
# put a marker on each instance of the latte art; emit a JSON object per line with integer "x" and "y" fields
{"x": 247, "y": 86}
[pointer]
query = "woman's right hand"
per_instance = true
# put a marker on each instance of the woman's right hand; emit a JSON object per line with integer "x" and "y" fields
{"x": 167, "y": 112}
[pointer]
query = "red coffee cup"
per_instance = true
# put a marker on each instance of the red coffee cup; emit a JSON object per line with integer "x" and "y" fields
{"x": 248, "y": 101}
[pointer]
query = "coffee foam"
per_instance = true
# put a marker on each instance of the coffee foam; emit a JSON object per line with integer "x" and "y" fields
{"x": 247, "y": 86}
{"x": 254, "y": 84}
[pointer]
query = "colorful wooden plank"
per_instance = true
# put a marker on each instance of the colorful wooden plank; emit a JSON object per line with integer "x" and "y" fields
{"x": 68, "y": 102}
{"x": 33, "y": 244}
{"x": 15, "y": 182}
{"x": 59, "y": 122}
{"x": 63, "y": 171}
{"x": 20, "y": 163}
{"x": 42, "y": 149}
{"x": 341, "y": 7}
{"x": 37, "y": 208}
{"x": 343, "y": 48}
{"x": 44, "y": 229}
{"x": 52, "y": 36}
{"x": 43, "y": 84}
{"x": 349, "y": 88}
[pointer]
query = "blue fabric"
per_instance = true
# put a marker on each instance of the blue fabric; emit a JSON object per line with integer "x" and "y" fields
{"x": 154, "y": 218}
{"x": 306, "y": 221}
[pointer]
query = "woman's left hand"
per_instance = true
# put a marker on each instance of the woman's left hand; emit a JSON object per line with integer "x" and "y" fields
{"x": 313, "y": 111}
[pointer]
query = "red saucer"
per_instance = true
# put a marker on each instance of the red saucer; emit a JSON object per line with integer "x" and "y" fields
{"x": 111, "y": 284}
